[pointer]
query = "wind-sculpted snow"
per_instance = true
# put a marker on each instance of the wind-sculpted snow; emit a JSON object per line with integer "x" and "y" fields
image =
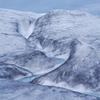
{"x": 54, "y": 31}
{"x": 80, "y": 71}
{"x": 14, "y": 90}
{"x": 75, "y": 36}
{"x": 13, "y": 72}
{"x": 36, "y": 61}
{"x": 60, "y": 50}
{"x": 17, "y": 22}
{"x": 13, "y": 25}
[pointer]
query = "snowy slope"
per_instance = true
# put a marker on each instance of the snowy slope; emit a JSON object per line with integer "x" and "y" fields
{"x": 36, "y": 62}
{"x": 14, "y": 90}
{"x": 76, "y": 36}
{"x": 14, "y": 46}
{"x": 17, "y": 22}
{"x": 81, "y": 72}
{"x": 58, "y": 49}
{"x": 13, "y": 72}
{"x": 54, "y": 31}
{"x": 14, "y": 28}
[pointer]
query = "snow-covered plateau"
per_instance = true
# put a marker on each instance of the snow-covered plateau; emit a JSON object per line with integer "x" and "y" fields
{"x": 49, "y": 56}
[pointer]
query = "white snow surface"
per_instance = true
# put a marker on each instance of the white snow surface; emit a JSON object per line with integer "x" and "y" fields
{"x": 63, "y": 26}
{"x": 15, "y": 26}
{"x": 59, "y": 49}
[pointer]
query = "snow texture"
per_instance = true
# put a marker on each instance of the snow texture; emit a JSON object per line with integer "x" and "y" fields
{"x": 53, "y": 56}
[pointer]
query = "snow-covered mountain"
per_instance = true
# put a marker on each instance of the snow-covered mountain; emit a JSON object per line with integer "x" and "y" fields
{"x": 73, "y": 34}
{"x": 17, "y": 22}
{"x": 54, "y": 31}
{"x": 58, "y": 50}
{"x": 13, "y": 25}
